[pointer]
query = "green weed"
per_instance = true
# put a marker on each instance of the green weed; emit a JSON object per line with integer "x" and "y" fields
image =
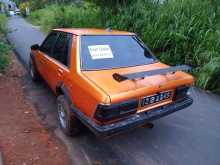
{"x": 4, "y": 47}
{"x": 179, "y": 32}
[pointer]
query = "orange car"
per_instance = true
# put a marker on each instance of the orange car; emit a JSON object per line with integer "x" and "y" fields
{"x": 108, "y": 80}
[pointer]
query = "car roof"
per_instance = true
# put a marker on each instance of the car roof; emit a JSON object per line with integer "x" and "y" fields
{"x": 80, "y": 31}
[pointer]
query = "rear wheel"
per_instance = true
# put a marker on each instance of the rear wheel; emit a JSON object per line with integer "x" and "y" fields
{"x": 68, "y": 122}
{"x": 35, "y": 76}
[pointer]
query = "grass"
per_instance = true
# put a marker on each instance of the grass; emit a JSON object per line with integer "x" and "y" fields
{"x": 65, "y": 16}
{"x": 4, "y": 47}
{"x": 179, "y": 32}
{"x": 3, "y": 20}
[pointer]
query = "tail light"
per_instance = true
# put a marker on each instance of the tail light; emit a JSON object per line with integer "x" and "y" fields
{"x": 109, "y": 112}
{"x": 181, "y": 92}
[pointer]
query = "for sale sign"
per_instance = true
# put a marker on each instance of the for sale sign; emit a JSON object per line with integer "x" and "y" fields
{"x": 100, "y": 52}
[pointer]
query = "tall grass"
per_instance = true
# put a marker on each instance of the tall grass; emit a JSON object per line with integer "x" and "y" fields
{"x": 66, "y": 16}
{"x": 179, "y": 32}
{"x": 184, "y": 31}
{"x": 4, "y": 47}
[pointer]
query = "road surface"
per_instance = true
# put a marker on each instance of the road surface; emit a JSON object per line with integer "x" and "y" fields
{"x": 188, "y": 137}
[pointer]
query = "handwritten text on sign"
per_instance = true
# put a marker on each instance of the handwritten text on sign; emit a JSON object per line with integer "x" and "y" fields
{"x": 100, "y": 52}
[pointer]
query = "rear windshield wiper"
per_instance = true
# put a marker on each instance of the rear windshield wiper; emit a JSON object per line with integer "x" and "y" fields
{"x": 132, "y": 76}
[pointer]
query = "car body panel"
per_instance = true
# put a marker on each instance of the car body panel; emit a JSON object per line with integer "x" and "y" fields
{"x": 88, "y": 89}
{"x": 84, "y": 93}
{"x": 90, "y": 31}
{"x": 129, "y": 89}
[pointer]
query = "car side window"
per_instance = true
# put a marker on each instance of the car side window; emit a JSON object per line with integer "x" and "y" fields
{"x": 48, "y": 44}
{"x": 61, "y": 50}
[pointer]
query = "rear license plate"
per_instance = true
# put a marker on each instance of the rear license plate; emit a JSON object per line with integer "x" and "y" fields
{"x": 156, "y": 98}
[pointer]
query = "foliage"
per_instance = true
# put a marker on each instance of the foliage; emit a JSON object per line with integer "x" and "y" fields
{"x": 4, "y": 59}
{"x": 65, "y": 16}
{"x": 4, "y": 48}
{"x": 39, "y": 4}
{"x": 183, "y": 31}
{"x": 3, "y": 20}
{"x": 111, "y": 5}
{"x": 23, "y": 7}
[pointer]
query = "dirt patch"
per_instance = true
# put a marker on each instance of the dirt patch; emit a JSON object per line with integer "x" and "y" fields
{"x": 23, "y": 139}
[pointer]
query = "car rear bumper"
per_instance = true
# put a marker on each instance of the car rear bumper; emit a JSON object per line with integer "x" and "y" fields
{"x": 133, "y": 121}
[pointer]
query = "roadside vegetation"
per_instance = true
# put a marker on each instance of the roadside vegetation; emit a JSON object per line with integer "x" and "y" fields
{"x": 62, "y": 16}
{"x": 4, "y": 47}
{"x": 179, "y": 32}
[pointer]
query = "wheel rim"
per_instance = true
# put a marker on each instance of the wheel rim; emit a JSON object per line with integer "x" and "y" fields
{"x": 62, "y": 115}
{"x": 31, "y": 70}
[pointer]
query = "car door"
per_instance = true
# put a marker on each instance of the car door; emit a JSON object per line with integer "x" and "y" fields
{"x": 44, "y": 51}
{"x": 59, "y": 60}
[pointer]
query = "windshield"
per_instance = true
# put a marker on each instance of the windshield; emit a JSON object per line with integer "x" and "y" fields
{"x": 111, "y": 51}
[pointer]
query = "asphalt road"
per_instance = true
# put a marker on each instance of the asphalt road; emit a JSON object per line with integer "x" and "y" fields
{"x": 188, "y": 137}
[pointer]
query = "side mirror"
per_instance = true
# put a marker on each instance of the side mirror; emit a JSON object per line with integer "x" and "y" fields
{"x": 35, "y": 47}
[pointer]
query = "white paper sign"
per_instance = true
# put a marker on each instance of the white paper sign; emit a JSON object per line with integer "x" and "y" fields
{"x": 100, "y": 52}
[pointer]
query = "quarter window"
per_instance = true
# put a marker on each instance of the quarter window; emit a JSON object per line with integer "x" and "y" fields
{"x": 48, "y": 44}
{"x": 61, "y": 49}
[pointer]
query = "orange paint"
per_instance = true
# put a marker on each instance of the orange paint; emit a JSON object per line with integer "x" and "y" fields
{"x": 90, "y": 88}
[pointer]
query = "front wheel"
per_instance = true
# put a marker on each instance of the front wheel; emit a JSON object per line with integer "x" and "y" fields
{"x": 69, "y": 124}
{"x": 35, "y": 76}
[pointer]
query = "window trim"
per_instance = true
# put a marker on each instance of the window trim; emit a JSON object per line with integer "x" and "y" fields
{"x": 69, "y": 50}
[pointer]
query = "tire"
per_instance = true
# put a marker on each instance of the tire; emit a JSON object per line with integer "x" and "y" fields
{"x": 35, "y": 76}
{"x": 69, "y": 124}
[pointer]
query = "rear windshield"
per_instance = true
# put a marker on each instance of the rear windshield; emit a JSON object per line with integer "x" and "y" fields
{"x": 108, "y": 52}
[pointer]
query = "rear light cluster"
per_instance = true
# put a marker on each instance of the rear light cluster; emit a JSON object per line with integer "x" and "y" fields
{"x": 181, "y": 93}
{"x": 108, "y": 112}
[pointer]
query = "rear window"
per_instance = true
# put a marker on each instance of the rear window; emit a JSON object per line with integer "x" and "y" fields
{"x": 110, "y": 51}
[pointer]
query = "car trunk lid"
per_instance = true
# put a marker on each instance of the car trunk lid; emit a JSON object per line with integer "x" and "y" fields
{"x": 140, "y": 87}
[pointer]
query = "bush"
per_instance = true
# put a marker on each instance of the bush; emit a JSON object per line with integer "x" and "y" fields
{"x": 65, "y": 16}
{"x": 4, "y": 47}
{"x": 4, "y": 59}
{"x": 3, "y": 20}
{"x": 43, "y": 18}
{"x": 179, "y": 32}
{"x": 23, "y": 7}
